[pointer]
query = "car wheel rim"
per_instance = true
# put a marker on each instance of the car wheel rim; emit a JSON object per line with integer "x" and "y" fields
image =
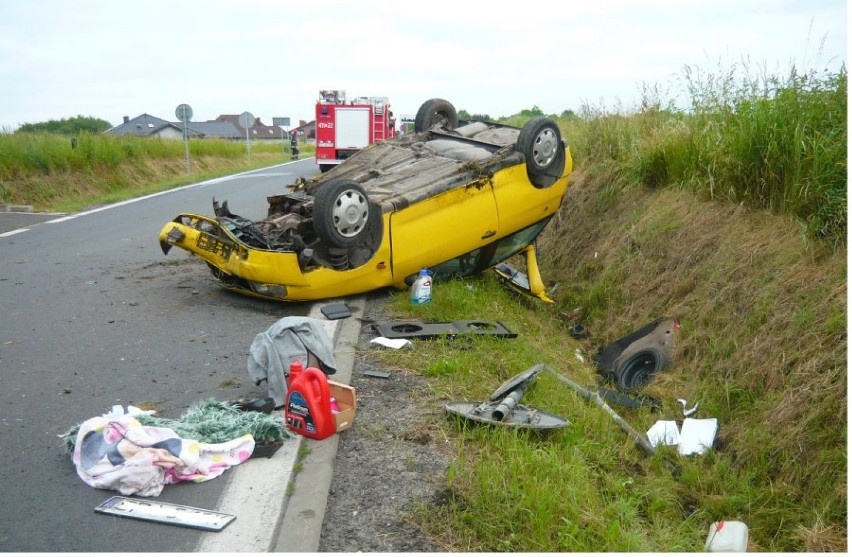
{"x": 544, "y": 148}
{"x": 350, "y": 213}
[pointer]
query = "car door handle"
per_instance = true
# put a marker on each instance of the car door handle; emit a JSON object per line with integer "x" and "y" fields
{"x": 489, "y": 234}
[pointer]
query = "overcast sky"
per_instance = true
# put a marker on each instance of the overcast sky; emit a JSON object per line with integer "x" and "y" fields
{"x": 115, "y": 58}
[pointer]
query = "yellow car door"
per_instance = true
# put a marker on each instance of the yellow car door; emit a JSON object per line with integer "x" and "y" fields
{"x": 442, "y": 227}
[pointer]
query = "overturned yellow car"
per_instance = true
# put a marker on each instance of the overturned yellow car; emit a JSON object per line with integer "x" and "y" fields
{"x": 454, "y": 199}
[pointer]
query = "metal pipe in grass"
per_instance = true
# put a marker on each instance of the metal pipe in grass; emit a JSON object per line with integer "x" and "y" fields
{"x": 637, "y": 437}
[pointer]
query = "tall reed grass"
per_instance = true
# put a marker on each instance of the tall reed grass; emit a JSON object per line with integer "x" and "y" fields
{"x": 768, "y": 141}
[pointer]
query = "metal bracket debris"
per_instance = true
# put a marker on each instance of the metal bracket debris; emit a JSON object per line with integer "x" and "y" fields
{"x": 503, "y": 407}
{"x": 418, "y": 329}
{"x": 377, "y": 374}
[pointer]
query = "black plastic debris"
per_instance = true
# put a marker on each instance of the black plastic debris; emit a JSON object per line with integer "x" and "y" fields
{"x": 418, "y": 329}
{"x": 632, "y": 361}
{"x": 336, "y": 311}
{"x": 264, "y": 405}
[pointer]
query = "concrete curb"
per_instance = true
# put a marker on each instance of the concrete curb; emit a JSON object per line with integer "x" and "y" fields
{"x": 272, "y": 516}
{"x": 16, "y": 208}
{"x": 301, "y": 527}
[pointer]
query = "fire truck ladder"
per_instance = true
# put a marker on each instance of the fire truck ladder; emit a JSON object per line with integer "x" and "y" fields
{"x": 380, "y": 121}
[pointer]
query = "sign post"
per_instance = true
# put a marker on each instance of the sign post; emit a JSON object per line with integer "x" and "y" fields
{"x": 246, "y": 121}
{"x": 282, "y": 122}
{"x": 184, "y": 113}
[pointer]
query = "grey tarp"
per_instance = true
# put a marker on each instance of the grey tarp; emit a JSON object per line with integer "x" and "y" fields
{"x": 290, "y": 338}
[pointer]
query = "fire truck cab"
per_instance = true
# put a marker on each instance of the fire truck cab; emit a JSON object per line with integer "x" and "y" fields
{"x": 345, "y": 127}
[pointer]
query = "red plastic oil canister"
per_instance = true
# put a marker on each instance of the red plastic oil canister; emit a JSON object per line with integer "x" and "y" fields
{"x": 307, "y": 409}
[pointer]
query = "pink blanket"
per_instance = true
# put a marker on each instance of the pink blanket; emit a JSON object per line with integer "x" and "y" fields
{"x": 119, "y": 453}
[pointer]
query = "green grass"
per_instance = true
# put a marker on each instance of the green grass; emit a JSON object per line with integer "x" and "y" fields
{"x": 46, "y": 171}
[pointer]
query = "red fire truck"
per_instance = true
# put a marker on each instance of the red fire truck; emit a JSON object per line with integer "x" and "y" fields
{"x": 345, "y": 127}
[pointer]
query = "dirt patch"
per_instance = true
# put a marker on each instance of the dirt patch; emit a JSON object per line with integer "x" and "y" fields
{"x": 392, "y": 461}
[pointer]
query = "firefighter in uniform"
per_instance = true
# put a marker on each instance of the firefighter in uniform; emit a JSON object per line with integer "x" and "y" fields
{"x": 294, "y": 145}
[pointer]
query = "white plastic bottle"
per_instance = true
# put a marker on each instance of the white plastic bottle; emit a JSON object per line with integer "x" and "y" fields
{"x": 421, "y": 290}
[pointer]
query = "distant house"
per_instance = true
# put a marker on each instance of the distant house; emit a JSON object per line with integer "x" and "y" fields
{"x": 258, "y": 129}
{"x": 147, "y": 125}
{"x": 306, "y": 130}
{"x": 214, "y": 130}
{"x": 226, "y": 126}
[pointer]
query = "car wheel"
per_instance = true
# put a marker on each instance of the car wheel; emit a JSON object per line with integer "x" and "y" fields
{"x": 325, "y": 167}
{"x": 436, "y": 111}
{"x": 341, "y": 212}
{"x": 638, "y": 369}
{"x": 541, "y": 144}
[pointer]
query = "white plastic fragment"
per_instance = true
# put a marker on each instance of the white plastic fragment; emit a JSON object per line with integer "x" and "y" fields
{"x": 579, "y": 355}
{"x": 696, "y": 436}
{"x": 396, "y": 343}
{"x": 686, "y": 412}
{"x": 664, "y": 432}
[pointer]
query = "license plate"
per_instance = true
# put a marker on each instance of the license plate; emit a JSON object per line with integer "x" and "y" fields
{"x": 166, "y": 513}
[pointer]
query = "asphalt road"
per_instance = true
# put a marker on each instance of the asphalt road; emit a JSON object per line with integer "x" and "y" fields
{"x": 94, "y": 315}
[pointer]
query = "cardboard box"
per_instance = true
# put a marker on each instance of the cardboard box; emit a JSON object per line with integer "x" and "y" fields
{"x": 345, "y": 397}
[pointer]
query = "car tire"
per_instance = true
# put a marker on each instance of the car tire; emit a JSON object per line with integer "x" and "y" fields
{"x": 639, "y": 368}
{"x": 342, "y": 213}
{"x": 325, "y": 167}
{"x": 436, "y": 111}
{"x": 541, "y": 144}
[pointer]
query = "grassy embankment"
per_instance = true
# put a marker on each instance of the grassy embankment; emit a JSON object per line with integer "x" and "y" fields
{"x": 731, "y": 217}
{"x": 43, "y": 170}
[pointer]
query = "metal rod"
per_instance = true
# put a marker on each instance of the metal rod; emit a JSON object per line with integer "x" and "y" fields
{"x": 637, "y": 437}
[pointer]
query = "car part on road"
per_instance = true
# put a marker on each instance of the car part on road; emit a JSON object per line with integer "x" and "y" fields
{"x": 336, "y": 311}
{"x": 165, "y": 513}
{"x": 418, "y": 329}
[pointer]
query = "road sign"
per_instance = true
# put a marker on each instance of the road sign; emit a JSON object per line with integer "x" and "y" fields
{"x": 281, "y": 121}
{"x": 246, "y": 120}
{"x": 183, "y": 112}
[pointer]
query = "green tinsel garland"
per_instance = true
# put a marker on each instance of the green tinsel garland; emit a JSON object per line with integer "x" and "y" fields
{"x": 211, "y": 421}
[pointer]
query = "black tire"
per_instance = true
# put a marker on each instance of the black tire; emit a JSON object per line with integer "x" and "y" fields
{"x": 325, "y": 167}
{"x": 342, "y": 213}
{"x": 638, "y": 369}
{"x": 436, "y": 111}
{"x": 541, "y": 144}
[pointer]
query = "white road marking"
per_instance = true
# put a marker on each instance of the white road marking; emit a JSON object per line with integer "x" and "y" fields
{"x": 13, "y": 232}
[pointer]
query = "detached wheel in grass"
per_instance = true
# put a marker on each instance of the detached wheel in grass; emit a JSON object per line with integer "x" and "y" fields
{"x": 436, "y": 111}
{"x": 541, "y": 144}
{"x": 638, "y": 369}
{"x": 341, "y": 213}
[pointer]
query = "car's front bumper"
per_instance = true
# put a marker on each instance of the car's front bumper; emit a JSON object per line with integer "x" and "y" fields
{"x": 264, "y": 273}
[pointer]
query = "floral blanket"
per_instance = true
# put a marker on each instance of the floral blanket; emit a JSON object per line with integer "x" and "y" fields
{"x": 117, "y": 452}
